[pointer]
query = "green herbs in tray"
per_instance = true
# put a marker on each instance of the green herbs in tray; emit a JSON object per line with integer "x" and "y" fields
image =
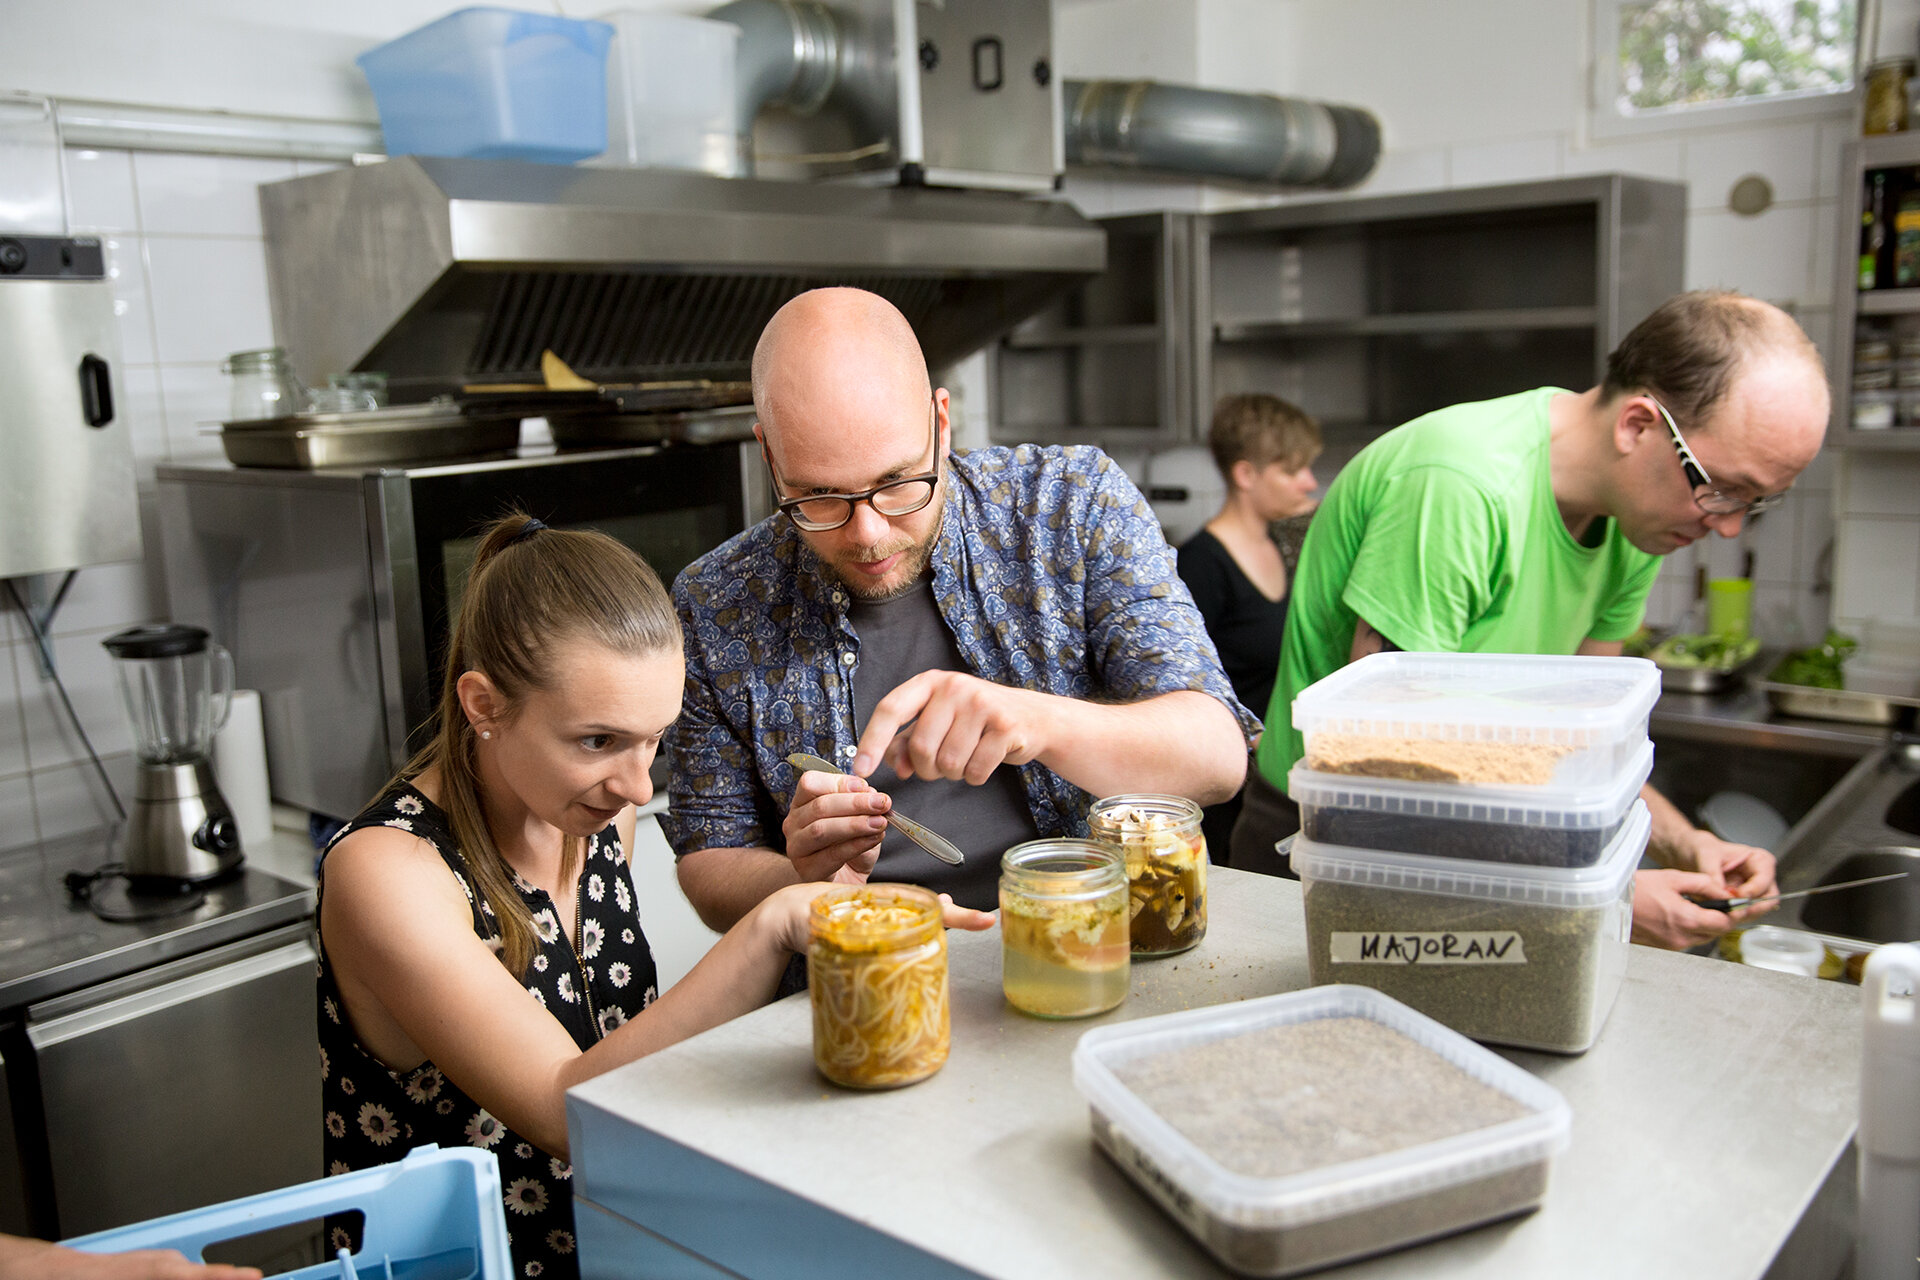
{"x": 1715, "y": 653}
{"x": 1819, "y": 666}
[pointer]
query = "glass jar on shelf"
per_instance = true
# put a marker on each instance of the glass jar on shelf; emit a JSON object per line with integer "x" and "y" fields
{"x": 877, "y": 979}
{"x": 1884, "y": 109}
{"x": 264, "y": 385}
{"x": 1160, "y": 838}
{"x": 1875, "y": 410}
{"x": 1063, "y": 928}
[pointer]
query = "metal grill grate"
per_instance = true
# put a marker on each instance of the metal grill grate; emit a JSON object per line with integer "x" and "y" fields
{"x": 634, "y": 326}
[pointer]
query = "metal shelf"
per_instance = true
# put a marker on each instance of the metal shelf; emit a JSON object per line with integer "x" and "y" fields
{"x": 1888, "y": 302}
{"x": 1420, "y": 323}
{"x": 1890, "y": 439}
{"x": 1108, "y": 335}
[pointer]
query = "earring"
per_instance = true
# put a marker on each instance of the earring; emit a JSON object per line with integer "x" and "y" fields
{"x": 486, "y": 733}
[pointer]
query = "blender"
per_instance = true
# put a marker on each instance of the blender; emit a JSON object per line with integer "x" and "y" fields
{"x": 176, "y": 688}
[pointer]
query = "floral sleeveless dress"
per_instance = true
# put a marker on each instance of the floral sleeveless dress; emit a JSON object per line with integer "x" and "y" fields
{"x": 590, "y": 984}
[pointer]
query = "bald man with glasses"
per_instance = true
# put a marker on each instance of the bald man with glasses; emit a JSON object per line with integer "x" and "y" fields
{"x": 988, "y": 638}
{"x": 1535, "y": 524}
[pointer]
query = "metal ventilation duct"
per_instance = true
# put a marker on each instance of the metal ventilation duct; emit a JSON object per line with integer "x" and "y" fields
{"x": 1248, "y": 137}
{"x": 445, "y": 272}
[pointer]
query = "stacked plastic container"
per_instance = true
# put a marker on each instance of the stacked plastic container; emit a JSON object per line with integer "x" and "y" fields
{"x": 1470, "y": 826}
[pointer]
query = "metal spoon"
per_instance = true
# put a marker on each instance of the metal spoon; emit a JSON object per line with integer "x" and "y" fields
{"x": 937, "y": 845}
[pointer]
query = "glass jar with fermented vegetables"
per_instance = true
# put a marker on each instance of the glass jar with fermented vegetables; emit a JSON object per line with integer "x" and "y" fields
{"x": 877, "y": 976}
{"x": 1063, "y": 928}
{"x": 1166, "y": 855}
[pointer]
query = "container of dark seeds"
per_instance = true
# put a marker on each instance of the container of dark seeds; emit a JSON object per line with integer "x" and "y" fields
{"x": 1517, "y": 955}
{"x": 1544, "y": 826}
{"x": 1297, "y": 1131}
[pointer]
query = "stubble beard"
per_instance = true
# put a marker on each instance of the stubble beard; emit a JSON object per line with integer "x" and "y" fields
{"x": 864, "y": 588}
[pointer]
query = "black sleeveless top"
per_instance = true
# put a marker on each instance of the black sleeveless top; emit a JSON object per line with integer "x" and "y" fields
{"x": 590, "y": 984}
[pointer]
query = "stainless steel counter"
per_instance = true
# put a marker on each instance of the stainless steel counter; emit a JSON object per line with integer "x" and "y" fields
{"x": 1744, "y": 718}
{"x": 1715, "y": 1111}
{"x": 51, "y": 944}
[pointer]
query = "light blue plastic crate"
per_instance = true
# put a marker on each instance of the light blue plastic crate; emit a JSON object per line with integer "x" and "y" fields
{"x": 432, "y": 1213}
{"x": 494, "y": 83}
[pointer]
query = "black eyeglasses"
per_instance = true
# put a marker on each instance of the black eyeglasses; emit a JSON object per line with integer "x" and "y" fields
{"x": 821, "y": 512}
{"x": 1705, "y": 496}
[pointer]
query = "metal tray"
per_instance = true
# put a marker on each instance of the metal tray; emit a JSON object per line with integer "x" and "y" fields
{"x": 1705, "y": 679}
{"x": 1875, "y": 704}
{"x": 407, "y": 433}
{"x": 703, "y": 426}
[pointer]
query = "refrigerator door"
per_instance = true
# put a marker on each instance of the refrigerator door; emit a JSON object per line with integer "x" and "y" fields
{"x": 191, "y": 1084}
{"x": 67, "y": 495}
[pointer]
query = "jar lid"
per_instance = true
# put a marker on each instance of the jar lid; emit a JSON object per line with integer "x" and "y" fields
{"x": 1063, "y": 868}
{"x": 1873, "y": 379}
{"x": 1889, "y": 64}
{"x": 173, "y": 640}
{"x": 265, "y": 358}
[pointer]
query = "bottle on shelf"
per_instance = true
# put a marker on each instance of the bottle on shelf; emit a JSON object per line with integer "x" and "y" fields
{"x": 1906, "y": 241}
{"x": 1873, "y": 233}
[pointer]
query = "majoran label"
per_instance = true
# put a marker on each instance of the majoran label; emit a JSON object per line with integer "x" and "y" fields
{"x": 1497, "y": 946}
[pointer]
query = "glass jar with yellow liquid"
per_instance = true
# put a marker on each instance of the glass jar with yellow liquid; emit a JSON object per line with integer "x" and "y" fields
{"x": 1063, "y": 927}
{"x": 877, "y": 977}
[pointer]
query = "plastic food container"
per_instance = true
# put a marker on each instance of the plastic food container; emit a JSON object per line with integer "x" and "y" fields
{"x": 1524, "y": 956}
{"x": 1166, "y": 856}
{"x": 494, "y": 83}
{"x": 424, "y": 1209}
{"x": 1063, "y": 928}
{"x": 670, "y": 93}
{"x": 1530, "y": 826}
{"x": 1482, "y": 719}
{"x": 1345, "y": 1208}
{"x": 877, "y": 978}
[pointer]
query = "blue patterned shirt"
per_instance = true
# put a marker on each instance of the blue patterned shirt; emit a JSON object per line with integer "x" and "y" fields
{"x": 1049, "y": 569}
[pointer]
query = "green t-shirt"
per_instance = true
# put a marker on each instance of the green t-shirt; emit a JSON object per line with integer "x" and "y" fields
{"x": 1443, "y": 534}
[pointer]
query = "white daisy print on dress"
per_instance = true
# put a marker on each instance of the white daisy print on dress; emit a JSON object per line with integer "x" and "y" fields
{"x": 444, "y": 1106}
{"x": 409, "y": 805}
{"x": 377, "y": 1123}
{"x": 399, "y": 824}
{"x": 648, "y": 997}
{"x": 425, "y": 1087}
{"x": 564, "y": 989}
{"x": 596, "y": 887}
{"x": 337, "y": 1168}
{"x": 559, "y": 1168}
{"x": 336, "y": 1125}
{"x": 484, "y": 1131}
{"x": 626, "y": 936}
{"x": 341, "y": 1238}
{"x": 524, "y": 1150}
{"x": 539, "y": 995}
{"x": 592, "y": 934}
{"x": 324, "y": 1068}
{"x": 561, "y": 1242}
{"x": 621, "y": 897}
{"x": 619, "y": 973}
{"x": 610, "y": 1017}
{"x": 333, "y": 1010}
{"x": 547, "y": 927}
{"x": 346, "y": 1086}
{"x": 526, "y": 1195}
{"x": 535, "y": 1270}
{"x": 539, "y": 964}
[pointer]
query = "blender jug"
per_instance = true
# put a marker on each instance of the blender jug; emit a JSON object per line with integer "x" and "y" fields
{"x": 176, "y": 688}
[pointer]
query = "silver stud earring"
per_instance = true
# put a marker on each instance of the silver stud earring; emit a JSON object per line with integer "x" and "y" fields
{"x": 486, "y": 733}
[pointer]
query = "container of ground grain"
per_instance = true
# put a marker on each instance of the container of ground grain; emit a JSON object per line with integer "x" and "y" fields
{"x": 1479, "y": 719}
{"x": 1298, "y": 1131}
{"x": 1550, "y": 826}
{"x": 1523, "y": 956}
{"x": 1166, "y": 853}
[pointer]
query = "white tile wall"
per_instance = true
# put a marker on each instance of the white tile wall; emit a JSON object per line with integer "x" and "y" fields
{"x": 1510, "y": 160}
{"x": 1786, "y": 156}
{"x": 188, "y": 271}
{"x": 1769, "y": 256}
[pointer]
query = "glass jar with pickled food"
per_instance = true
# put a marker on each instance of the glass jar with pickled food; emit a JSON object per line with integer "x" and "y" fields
{"x": 1166, "y": 855}
{"x": 1063, "y": 928}
{"x": 877, "y": 976}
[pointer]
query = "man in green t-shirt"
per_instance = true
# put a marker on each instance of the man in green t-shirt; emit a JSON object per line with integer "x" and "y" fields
{"x": 1535, "y": 523}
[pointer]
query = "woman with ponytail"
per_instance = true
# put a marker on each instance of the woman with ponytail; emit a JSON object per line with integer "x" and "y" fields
{"x": 480, "y": 940}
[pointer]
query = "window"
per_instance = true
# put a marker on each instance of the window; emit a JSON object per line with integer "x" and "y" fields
{"x": 1668, "y": 63}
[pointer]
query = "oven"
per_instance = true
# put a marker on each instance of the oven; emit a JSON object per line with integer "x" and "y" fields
{"x": 334, "y": 588}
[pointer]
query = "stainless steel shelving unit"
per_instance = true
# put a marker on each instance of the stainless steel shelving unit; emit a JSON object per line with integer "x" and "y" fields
{"x": 1367, "y": 311}
{"x": 1898, "y": 308}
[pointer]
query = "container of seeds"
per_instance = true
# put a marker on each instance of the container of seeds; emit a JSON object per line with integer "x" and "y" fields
{"x": 1550, "y": 826}
{"x": 1524, "y": 956}
{"x": 1479, "y": 719}
{"x": 1301, "y": 1130}
{"x": 1166, "y": 855}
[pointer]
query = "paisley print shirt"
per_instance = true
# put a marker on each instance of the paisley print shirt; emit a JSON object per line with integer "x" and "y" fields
{"x": 373, "y": 1115}
{"x": 1052, "y": 574}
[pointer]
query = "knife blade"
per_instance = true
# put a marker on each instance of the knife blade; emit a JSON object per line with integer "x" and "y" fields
{"x": 934, "y": 843}
{"x": 1730, "y": 904}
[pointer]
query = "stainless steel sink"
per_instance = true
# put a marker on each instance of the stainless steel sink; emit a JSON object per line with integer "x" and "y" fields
{"x": 1849, "y": 836}
{"x": 1886, "y": 912}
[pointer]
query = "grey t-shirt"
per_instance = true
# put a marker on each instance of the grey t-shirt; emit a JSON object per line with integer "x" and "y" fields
{"x": 900, "y": 638}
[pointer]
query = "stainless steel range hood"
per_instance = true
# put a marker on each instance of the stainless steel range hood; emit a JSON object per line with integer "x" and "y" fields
{"x": 445, "y": 272}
